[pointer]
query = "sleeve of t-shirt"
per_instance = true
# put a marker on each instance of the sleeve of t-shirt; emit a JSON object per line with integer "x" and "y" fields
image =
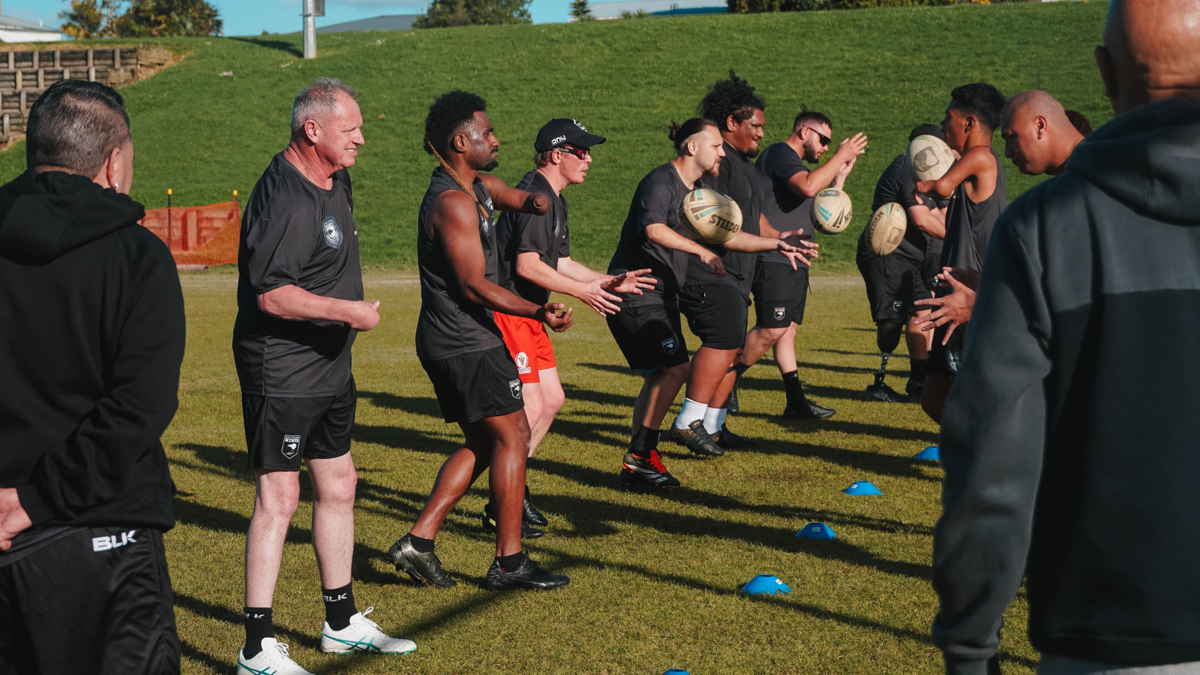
{"x": 907, "y": 191}
{"x": 532, "y": 233}
{"x": 784, "y": 165}
{"x": 654, "y": 206}
{"x": 279, "y": 242}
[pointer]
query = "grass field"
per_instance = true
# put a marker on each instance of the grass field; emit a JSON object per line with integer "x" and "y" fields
{"x": 880, "y": 71}
{"x": 654, "y": 578}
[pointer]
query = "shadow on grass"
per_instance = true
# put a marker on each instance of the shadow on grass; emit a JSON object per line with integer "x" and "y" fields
{"x": 212, "y": 663}
{"x": 416, "y": 405}
{"x": 280, "y": 45}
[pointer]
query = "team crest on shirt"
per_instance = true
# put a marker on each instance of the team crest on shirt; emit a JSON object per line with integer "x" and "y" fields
{"x": 331, "y": 232}
{"x": 668, "y": 345}
{"x": 522, "y": 363}
{"x": 291, "y": 446}
{"x": 514, "y": 386}
{"x": 779, "y": 312}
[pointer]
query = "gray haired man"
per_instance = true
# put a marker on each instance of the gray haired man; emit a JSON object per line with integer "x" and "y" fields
{"x": 300, "y": 305}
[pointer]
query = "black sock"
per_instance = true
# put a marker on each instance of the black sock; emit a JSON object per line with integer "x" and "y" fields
{"x": 509, "y": 563}
{"x": 645, "y": 440}
{"x": 791, "y": 386}
{"x": 917, "y": 367}
{"x": 258, "y": 626}
{"x": 339, "y": 606}
{"x": 419, "y": 544}
{"x": 741, "y": 368}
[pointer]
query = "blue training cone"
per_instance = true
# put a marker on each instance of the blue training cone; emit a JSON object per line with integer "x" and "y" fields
{"x": 861, "y": 488}
{"x": 931, "y": 453}
{"x": 765, "y": 584}
{"x": 676, "y": 671}
{"x": 816, "y": 531}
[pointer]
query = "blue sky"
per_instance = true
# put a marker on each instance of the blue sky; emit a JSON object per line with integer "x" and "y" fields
{"x": 282, "y": 16}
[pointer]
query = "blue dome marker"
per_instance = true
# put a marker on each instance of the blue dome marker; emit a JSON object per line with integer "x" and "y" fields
{"x": 676, "y": 671}
{"x": 816, "y": 531}
{"x": 931, "y": 453}
{"x": 765, "y": 584}
{"x": 862, "y": 488}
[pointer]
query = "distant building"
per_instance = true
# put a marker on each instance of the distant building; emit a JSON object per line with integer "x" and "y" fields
{"x": 392, "y": 22}
{"x": 613, "y": 10}
{"x": 16, "y": 30}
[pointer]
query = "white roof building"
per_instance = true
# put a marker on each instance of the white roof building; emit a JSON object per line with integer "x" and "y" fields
{"x": 612, "y": 10}
{"x": 17, "y": 30}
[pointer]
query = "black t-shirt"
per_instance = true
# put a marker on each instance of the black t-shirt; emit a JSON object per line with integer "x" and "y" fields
{"x": 450, "y": 325}
{"x": 295, "y": 234}
{"x": 787, "y": 210}
{"x": 969, "y": 224}
{"x": 896, "y": 186}
{"x": 545, "y": 235}
{"x": 656, "y": 200}
{"x": 740, "y": 180}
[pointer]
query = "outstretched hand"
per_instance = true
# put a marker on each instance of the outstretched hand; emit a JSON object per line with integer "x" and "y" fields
{"x": 798, "y": 248}
{"x": 634, "y": 281}
{"x": 953, "y": 309}
{"x": 13, "y": 519}
{"x": 555, "y": 315}
{"x": 596, "y": 295}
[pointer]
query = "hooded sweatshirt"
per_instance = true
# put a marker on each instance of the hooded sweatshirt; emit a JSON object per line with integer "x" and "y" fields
{"x": 1069, "y": 441}
{"x": 91, "y": 339}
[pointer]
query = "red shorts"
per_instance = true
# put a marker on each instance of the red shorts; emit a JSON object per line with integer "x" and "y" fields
{"x": 528, "y": 343}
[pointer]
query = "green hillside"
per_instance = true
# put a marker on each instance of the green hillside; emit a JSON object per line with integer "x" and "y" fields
{"x": 880, "y": 71}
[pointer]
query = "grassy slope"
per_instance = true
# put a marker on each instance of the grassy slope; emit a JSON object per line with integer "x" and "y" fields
{"x": 881, "y": 71}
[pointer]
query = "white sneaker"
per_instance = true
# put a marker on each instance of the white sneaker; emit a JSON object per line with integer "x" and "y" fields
{"x": 272, "y": 660}
{"x": 362, "y": 635}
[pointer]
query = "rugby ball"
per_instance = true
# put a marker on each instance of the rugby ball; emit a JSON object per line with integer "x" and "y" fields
{"x": 929, "y": 158}
{"x": 710, "y": 216}
{"x": 887, "y": 227}
{"x": 831, "y": 211}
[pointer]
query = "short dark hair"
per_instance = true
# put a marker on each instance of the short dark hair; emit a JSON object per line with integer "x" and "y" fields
{"x": 809, "y": 117}
{"x": 980, "y": 99}
{"x": 679, "y": 133}
{"x": 732, "y": 97}
{"x": 449, "y": 114}
{"x": 74, "y": 125}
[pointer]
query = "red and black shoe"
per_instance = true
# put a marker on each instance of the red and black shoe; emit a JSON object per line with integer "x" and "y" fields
{"x": 638, "y": 472}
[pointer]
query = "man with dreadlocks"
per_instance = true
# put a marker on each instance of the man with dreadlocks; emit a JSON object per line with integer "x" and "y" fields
{"x": 717, "y": 307}
{"x": 460, "y": 347}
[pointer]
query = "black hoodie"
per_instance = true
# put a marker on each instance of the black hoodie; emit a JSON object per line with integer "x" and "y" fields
{"x": 1070, "y": 439}
{"x": 91, "y": 339}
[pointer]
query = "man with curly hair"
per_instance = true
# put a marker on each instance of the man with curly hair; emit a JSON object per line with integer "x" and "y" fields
{"x": 474, "y": 377}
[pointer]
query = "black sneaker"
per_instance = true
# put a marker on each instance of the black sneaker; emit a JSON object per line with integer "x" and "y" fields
{"x": 807, "y": 410}
{"x": 914, "y": 388}
{"x": 531, "y": 515}
{"x": 696, "y": 439}
{"x": 884, "y": 394}
{"x": 489, "y": 524}
{"x": 424, "y": 568}
{"x": 527, "y": 575}
{"x": 731, "y": 441}
{"x": 637, "y": 472}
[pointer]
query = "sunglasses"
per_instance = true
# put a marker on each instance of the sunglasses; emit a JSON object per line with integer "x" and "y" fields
{"x": 823, "y": 138}
{"x": 581, "y": 153}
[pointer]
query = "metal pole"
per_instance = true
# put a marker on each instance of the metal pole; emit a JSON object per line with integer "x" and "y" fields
{"x": 310, "y": 29}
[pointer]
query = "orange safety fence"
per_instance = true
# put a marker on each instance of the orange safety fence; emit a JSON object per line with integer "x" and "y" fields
{"x": 198, "y": 236}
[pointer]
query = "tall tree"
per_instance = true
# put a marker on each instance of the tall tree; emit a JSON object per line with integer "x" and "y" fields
{"x": 581, "y": 11}
{"x": 170, "y": 18}
{"x": 443, "y": 13}
{"x": 90, "y": 18}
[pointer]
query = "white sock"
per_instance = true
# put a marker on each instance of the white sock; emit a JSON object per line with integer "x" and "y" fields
{"x": 691, "y": 412}
{"x": 712, "y": 419}
{"x": 721, "y": 417}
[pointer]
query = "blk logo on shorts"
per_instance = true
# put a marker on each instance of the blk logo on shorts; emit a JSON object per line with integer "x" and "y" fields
{"x": 112, "y": 541}
{"x": 515, "y": 387}
{"x": 668, "y": 345}
{"x": 331, "y": 232}
{"x": 779, "y": 312}
{"x": 291, "y": 446}
{"x": 522, "y": 363}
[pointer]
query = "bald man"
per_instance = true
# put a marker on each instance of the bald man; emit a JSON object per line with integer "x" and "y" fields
{"x": 1068, "y": 440}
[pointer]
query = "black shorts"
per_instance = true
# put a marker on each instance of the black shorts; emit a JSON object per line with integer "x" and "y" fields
{"x": 716, "y": 313}
{"x": 476, "y": 385}
{"x": 97, "y": 602}
{"x": 649, "y": 336}
{"x": 779, "y": 294}
{"x": 894, "y": 284}
{"x": 281, "y": 432}
{"x": 946, "y": 360}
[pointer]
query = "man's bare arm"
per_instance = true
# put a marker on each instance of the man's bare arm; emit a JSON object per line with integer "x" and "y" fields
{"x": 663, "y": 235}
{"x": 930, "y": 221}
{"x": 292, "y": 303}
{"x": 506, "y": 198}
{"x": 978, "y": 163}
{"x": 809, "y": 183}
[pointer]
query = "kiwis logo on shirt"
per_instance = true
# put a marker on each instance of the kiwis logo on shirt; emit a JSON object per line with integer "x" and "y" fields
{"x": 331, "y": 232}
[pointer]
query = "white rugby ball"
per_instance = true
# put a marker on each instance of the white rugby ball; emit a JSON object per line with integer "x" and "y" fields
{"x": 710, "y": 216}
{"x": 831, "y": 211}
{"x": 929, "y": 158}
{"x": 887, "y": 227}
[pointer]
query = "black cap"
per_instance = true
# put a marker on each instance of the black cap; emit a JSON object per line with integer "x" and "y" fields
{"x": 560, "y": 131}
{"x": 927, "y": 130}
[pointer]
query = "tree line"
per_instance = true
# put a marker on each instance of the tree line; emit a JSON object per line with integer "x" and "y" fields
{"x": 140, "y": 18}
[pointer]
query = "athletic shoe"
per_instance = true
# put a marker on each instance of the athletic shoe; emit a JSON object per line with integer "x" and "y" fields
{"x": 527, "y": 575}
{"x": 424, "y": 568}
{"x": 272, "y": 660}
{"x": 489, "y": 524}
{"x": 807, "y": 410}
{"x": 914, "y": 388}
{"x": 531, "y": 515}
{"x": 637, "y": 472}
{"x": 731, "y": 441}
{"x": 696, "y": 439}
{"x": 884, "y": 394}
{"x": 362, "y": 635}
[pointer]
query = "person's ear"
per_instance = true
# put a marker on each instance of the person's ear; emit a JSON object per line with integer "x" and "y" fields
{"x": 1107, "y": 73}
{"x": 1041, "y": 127}
{"x": 459, "y": 142}
{"x": 312, "y": 131}
{"x": 692, "y": 147}
{"x": 730, "y": 124}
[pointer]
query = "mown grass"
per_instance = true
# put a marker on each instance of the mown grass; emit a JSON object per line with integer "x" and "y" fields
{"x": 654, "y": 578}
{"x": 880, "y": 71}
